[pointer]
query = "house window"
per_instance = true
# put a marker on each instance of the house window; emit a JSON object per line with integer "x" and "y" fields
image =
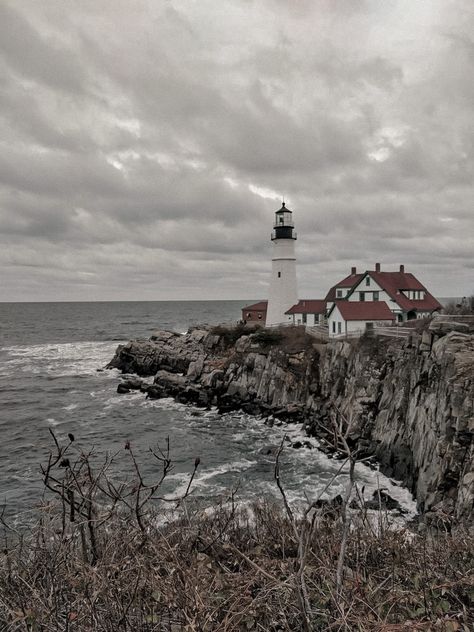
{"x": 304, "y": 316}
{"x": 279, "y": 274}
{"x": 367, "y": 280}
{"x": 249, "y": 315}
{"x": 339, "y": 328}
{"x": 376, "y": 296}
{"x": 333, "y": 327}
{"x": 361, "y": 296}
{"x": 260, "y": 317}
{"x": 339, "y": 293}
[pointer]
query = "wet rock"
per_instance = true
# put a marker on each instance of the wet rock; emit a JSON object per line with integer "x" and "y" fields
{"x": 171, "y": 382}
{"x": 227, "y": 403}
{"x": 382, "y": 500}
{"x": 123, "y": 388}
{"x": 256, "y": 408}
{"x": 332, "y": 504}
{"x": 133, "y": 383}
{"x": 291, "y": 413}
{"x": 269, "y": 450}
{"x": 155, "y": 391}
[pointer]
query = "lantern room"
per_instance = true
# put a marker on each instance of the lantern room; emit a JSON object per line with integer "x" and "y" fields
{"x": 283, "y": 227}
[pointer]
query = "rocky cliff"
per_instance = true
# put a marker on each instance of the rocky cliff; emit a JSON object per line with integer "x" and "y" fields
{"x": 410, "y": 403}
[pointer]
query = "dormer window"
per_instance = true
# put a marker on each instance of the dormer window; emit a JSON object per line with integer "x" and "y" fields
{"x": 338, "y": 293}
{"x": 367, "y": 280}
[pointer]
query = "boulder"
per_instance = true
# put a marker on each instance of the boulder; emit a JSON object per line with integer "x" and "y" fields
{"x": 133, "y": 383}
{"x": 442, "y": 327}
{"x": 382, "y": 500}
{"x": 155, "y": 391}
{"x": 170, "y": 382}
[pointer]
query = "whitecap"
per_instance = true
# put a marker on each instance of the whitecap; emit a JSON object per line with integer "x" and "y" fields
{"x": 70, "y": 407}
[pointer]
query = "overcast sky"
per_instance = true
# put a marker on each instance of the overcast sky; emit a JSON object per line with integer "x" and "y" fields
{"x": 145, "y": 145}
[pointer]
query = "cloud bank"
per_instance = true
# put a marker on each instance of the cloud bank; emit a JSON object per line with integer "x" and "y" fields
{"x": 145, "y": 145}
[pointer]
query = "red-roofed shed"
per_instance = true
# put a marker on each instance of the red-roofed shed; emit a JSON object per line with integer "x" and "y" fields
{"x": 308, "y": 312}
{"x": 255, "y": 313}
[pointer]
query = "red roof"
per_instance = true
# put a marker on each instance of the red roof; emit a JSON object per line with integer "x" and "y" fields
{"x": 364, "y": 310}
{"x": 395, "y": 282}
{"x": 348, "y": 282}
{"x": 308, "y": 306}
{"x": 256, "y": 307}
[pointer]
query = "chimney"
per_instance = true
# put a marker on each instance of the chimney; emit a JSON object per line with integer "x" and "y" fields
{"x": 353, "y": 270}
{"x": 402, "y": 268}
{"x": 377, "y": 267}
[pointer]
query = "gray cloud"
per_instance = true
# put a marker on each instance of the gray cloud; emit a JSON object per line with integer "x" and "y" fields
{"x": 145, "y": 145}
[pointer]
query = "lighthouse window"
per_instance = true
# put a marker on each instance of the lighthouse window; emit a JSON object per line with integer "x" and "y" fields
{"x": 279, "y": 274}
{"x": 281, "y": 220}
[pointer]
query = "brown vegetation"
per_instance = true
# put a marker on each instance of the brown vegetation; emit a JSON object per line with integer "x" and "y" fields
{"x": 229, "y": 334}
{"x": 103, "y": 557}
{"x": 464, "y": 308}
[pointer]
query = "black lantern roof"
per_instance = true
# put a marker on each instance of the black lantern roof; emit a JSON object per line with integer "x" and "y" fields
{"x": 283, "y": 209}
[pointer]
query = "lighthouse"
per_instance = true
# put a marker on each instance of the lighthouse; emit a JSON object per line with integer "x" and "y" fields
{"x": 283, "y": 292}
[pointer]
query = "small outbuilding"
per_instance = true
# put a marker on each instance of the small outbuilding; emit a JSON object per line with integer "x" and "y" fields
{"x": 308, "y": 312}
{"x": 353, "y": 317}
{"x": 255, "y": 313}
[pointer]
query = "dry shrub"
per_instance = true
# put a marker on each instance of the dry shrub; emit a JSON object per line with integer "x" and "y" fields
{"x": 464, "y": 308}
{"x": 293, "y": 339}
{"x": 229, "y": 334}
{"x": 232, "y": 569}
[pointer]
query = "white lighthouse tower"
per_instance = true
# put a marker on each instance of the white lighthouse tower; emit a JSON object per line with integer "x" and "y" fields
{"x": 283, "y": 292}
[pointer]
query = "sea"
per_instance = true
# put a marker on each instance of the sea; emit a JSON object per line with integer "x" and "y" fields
{"x": 52, "y": 378}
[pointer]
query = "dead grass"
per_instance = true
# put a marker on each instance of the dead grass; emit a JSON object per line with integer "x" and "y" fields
{"x": 229, "y": 573}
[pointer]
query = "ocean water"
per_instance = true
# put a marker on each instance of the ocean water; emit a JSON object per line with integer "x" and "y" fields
{"x": 51, "y": 377}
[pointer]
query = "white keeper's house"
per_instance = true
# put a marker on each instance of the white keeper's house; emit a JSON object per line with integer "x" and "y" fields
{"x": 357, "y": 303}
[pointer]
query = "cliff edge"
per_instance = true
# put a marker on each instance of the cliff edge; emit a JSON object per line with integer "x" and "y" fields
{"x": 410, "y": 402}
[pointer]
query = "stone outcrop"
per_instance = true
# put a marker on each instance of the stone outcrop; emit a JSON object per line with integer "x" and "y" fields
{"x": 410, "y": 403}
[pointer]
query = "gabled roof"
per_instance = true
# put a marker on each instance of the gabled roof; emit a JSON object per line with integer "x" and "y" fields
{"x": 308, "y": 306}
{"x": 261, "y": 306}
{"x": 349, "y": 282}
{"x": 394, "y": 283}
{"x": 364, "y": 310}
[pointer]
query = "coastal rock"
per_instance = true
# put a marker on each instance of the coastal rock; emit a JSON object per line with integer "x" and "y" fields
{"x": 155, "y": 391}
{"x": 382, "y": 500}
{"x": 171, "y": 383}
{"x": 442, "y": 327}
{"x": 132, "y": 383}
{"x": 409, "y": 403}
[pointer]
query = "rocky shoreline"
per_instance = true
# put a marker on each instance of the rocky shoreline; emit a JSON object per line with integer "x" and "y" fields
{"x": 409, "y": 402}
